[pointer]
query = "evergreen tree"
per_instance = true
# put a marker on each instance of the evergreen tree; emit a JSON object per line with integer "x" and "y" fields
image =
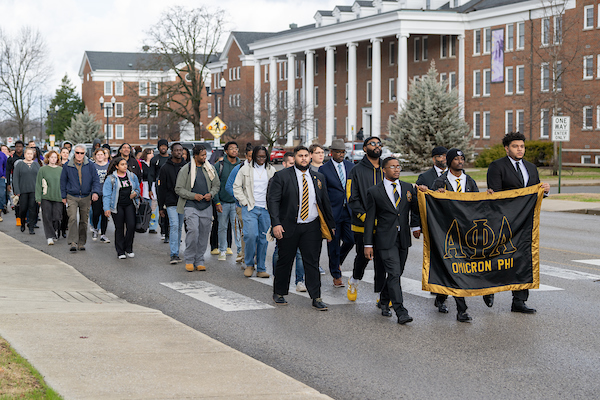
{"x": 84, "y": 128}
{"x": 69, "y": 104}
{"x": 430, "y": 118}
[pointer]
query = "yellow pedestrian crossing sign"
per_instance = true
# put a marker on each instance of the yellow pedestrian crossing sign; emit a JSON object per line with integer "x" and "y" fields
{"x": 217, "y": 127}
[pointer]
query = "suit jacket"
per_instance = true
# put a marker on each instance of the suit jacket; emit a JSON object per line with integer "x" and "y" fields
{"x": 283, "y": 201}
{"x": 335, "y": 190}
{"x": 427, "y": 178}
{"x": 502, "y": 175}
{"x": 443, "y": 182}
{"x": 389, "y": 218}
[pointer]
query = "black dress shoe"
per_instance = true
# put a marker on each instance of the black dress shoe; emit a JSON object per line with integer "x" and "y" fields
{"x": 319, "y": 305}
{"x": 488, "y": 299}
{"x": 32, "y": 232}
{"x": 522, "y": 308}
{"x": 385, "y": 310}
{"x": 441, "y": 307}
{"x": 279, "y": 300}
{"x": 404, "y": 319}
{"x": 463, "y": 317}
{"x": 22, "y": 228}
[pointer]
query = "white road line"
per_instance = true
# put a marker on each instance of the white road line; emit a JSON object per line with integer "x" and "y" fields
{"x": 216, "y": 296}
{"x": 592, "y": 262}
{"x": 568, "y": 273}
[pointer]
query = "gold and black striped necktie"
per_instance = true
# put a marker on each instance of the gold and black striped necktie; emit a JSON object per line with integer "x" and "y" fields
{"x": 396, "y": 195}
{"x": 458, "y": 186}
{"x": 304, "y": 207}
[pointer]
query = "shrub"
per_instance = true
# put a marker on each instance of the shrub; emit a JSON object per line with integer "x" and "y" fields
{"x": 537, "y": 152}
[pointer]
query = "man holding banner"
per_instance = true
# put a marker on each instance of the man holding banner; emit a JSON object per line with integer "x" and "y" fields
{"x": 512, "y": 172}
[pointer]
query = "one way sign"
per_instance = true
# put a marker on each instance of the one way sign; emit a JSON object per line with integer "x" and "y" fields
{"x": 561, "y": 129}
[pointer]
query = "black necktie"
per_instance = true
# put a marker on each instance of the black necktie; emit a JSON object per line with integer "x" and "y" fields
{"x": 520, "y": 173}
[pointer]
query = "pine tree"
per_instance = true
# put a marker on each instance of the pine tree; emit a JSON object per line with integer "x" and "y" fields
{"x": 84, "y": 128}
{"x": 69, "y": 104}
{"x": 430, "y": 118}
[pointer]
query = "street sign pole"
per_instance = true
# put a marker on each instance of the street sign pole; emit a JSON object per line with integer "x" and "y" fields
{"x": 559, "y": 164}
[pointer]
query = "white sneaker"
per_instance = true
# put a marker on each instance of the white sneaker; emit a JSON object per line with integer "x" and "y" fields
{"x": 222, "y": 256}
{"x": 104, "y": 239}
{"x": 300, "y": 287}
{"x": 50, "y": 241}
{"x": 130, "y": 255}
{"x": 122, "y": 257}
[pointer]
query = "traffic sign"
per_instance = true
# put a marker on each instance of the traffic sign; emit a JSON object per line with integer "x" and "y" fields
{"x": 217, "y": 127}
{"x": 561, "y": 129}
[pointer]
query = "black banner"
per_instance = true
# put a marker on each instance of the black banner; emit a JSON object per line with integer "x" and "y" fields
{"x": 477, "y": 243}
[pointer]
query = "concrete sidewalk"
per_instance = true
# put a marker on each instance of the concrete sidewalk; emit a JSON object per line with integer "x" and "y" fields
{"x": 89, "y": 344}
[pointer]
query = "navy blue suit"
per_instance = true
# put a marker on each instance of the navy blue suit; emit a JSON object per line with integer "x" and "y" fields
{"x": 343, "y": 241}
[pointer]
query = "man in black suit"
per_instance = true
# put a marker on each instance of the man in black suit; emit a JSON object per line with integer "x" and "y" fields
{"x": 295, "y": 198}
{"x": 391, "y": 202}
{"x": 336, "y": 172}
{"x": 455, "y": 180}
{"x": 438, "y": 155}
{"x": 512, "y": 172}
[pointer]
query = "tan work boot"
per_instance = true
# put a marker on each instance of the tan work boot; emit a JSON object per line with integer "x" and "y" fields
{"x": 189, "y": 267}
{"x": 248, "y": 271}
{"x": 262, "y": 274}
{"x": 201, "y": 268}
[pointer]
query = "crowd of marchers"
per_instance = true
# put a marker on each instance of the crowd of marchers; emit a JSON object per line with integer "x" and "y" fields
{"x": 228, "y": 200}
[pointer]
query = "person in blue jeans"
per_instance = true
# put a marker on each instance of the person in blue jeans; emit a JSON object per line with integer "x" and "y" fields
{"x": 167, "y": 199}
{"x": 3, "y": 163}
{"x": 250, "y": 190}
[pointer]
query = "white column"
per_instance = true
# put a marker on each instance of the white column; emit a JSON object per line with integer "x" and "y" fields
{"x": 376, "y": 87}
{"x": 273, "y": 93}
{"x": 257, "y": 99}
{"x": 291, "y": 98}
{"x": 329, "y": 106}
{"x": 310, "y": 96}
{"x": 460, "y": 77}
{"x": 402, "y": 84}
{"x": 352, "y": 100}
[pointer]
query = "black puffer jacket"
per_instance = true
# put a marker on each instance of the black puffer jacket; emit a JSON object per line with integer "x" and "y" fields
{"x": 165, "y": 186}
{"x": 361, "y": 178}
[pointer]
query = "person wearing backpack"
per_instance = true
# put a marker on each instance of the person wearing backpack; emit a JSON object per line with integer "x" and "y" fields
{"x": 225, "y": 203}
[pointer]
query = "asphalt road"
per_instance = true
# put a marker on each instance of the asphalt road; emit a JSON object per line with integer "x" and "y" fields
{"x": 352, "y": 352}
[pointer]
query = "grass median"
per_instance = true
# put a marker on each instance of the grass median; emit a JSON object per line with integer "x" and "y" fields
{"x": 18, "y": 379}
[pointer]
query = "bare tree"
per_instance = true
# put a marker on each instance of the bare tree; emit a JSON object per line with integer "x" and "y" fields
{"x": 183, "y": 41}
{"x": 23, "y": 73}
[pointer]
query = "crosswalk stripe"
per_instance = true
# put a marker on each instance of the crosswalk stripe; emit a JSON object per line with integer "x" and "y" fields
{"x": 591, "y": 262}
{"x": 217, "y": 296}
{"x": 568, "y": 273}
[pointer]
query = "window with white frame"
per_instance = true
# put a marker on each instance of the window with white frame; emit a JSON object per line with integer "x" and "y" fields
{"x": 239, "y": 69}
{"x": 510, "y": 37}
{"x": 285, "y": 71}
{"x": 425, "y": 48}
{"x": 521, "y": 121}
{"x": 285, "y": 99}
{"x": 417, "y": 49}
{"x": 108, "y": 88}
{"x": 487, "y": 34}
{"x": 110, "y": 131}
{"x": 545, "y": 34}
{"x": 453, "y": 46}
{"x": 153, "y": 88}
{"x": 509, "y": 81}
{"x": 588, "y": 120}
{"x": 444, "y": 46}
{"x": 545, "y": 77}
{"x": 118, "y": 88}
{"x": 508, "y": 121}
{"x": 486, "y": 125}
{"x": 153, "y": 131}
{"x": 443, "y": 77}
{"x": 476, "y": 83}
{"x": 392, "y": 53}
{"x": 108, "y": 111}
{"x": 588, "y": 67}
{"x": 266, "y": 100}
{"x": 316, "y": 96}
{"x": 598, "y": 117}
{"x": 544, "y": 123}
{"x": 369, "y": 91}
{"x": 335, "y": 93}
{"x": 118, "y": 110}
{"x": 588, "y": 17}
{"x": 597, "y": 159}
{"x": 209, "y": 110}
{"x": 558, "y": 29}
{"x": 153, "y": 110}
{"x": 477, "y": 42}
{"x": 476, "y": 124}
{"x": 280, "y": 66}
{"x": 487, "y": 78}
{"x": 143, "y": 88}
{"x": 520, "y": 79}
{"x": 520, "y": 35}
{"x": 143, "y": 131}
{"x": 143, "y": 110}
{"x": 558, "y": 76}
{"x": 452, "y": 76}
{"x": 369, "y": 56}
{"x": 297, "y": 68}
{"x": 119, "y": 131}
{"x": 266, "y": 73}
{"x": 298, "y": 97}
{"x": 230, "y": 74}
{"x": 586, "y": 159}
{"x": 392, "y": 89}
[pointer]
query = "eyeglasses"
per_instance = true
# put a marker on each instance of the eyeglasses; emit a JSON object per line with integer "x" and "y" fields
{"x": 80, "y": 152}
{"x": 392, "y": 167}
{"x": 375, "y": 144}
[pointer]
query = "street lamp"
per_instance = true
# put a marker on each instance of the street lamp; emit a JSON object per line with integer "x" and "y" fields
{"x": 51, "y": 115}
{"x": 104, "y": 106}
{"x": 223, "y": 83}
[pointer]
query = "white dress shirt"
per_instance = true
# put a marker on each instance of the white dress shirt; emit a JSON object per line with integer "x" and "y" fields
{"x": 523, "y": 169}
{"x": 337, "y": 171}
{"x": 261, "y": 181}
{"x": 439, "y": 171}
{"x": 312, "y": 197}
{"x": 453, "y": 180}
